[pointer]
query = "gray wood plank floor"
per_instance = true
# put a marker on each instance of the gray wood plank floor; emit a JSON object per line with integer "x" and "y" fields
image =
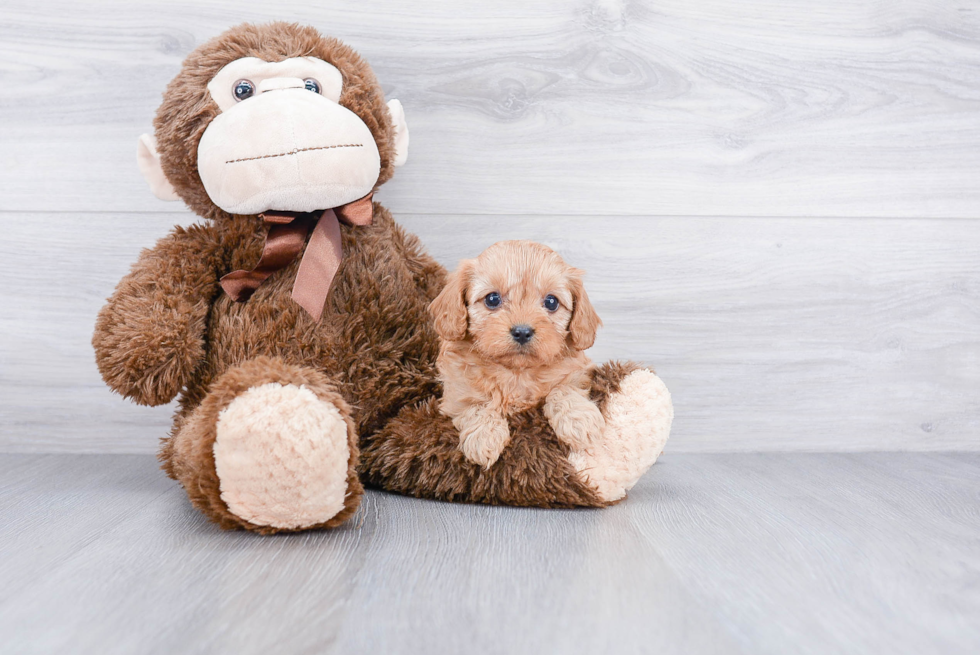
{"x": 734, "y": 553}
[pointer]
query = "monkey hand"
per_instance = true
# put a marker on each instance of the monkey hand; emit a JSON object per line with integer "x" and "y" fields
{"x": 149, "y": 337}
{"x": 148, "y": 352}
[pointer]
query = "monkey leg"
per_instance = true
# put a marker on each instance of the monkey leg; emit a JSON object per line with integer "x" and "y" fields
{"x": 417, "y": 453}
{"x": 271, "y": 448}
{"x": 638, "y": 411}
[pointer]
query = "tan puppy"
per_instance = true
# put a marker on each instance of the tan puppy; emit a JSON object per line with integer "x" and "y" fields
{"x": 514, "y": 322}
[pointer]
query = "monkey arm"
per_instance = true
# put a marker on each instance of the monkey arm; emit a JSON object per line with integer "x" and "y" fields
{"x": 149, "y": 337}
{"x": 417, "y": 453}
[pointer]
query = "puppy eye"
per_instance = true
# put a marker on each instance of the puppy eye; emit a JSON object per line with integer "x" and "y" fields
{"x": 243, "y": 89}
{"x": 550, "y": 303}
{"x": 492, "y": 300}
{"x": 312, "y": 85}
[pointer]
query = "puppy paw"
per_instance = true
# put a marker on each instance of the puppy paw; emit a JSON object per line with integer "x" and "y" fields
{"x": 483, "y": 443}
{"x": 577, "y": 422}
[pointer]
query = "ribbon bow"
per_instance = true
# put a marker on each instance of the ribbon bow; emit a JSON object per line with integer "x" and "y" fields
{"x": 284, "y": 242}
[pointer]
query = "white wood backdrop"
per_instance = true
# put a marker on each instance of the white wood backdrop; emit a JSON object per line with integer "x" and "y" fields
{"x": 776, "y": 201}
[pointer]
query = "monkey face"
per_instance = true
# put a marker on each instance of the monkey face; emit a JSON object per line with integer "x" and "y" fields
{"x": 272, "y": 117}
{"x": 282, "y": 141}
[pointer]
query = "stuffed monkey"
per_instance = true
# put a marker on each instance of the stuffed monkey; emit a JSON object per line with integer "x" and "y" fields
{"x": 292, "y": 323}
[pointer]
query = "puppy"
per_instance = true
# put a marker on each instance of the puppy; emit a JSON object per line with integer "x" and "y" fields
{"x": 514, "y": 322}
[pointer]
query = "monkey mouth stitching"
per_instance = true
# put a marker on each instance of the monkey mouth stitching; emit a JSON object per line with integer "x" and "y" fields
{"x": 295, "y": 151}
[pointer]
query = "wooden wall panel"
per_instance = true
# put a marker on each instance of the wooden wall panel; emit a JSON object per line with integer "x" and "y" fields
{"x": 766, "y": 195}
{"x": 772, "y": 334}
{"x": 754, "y": 108}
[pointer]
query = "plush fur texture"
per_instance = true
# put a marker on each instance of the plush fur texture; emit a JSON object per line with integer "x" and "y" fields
{"x": 282, "y": 456}
{"x": 488, "y": 374}
{"x": 638, "y": 420}
{"x": 418, "y": 454}
{"x": 188, "y": 455}
{"x": 168, "y": 330}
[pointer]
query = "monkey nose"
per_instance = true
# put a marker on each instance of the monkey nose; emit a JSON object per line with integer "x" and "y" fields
{"x": 522, "y": 333}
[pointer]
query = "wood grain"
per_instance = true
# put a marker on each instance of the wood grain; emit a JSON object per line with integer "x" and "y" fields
{"x": 816, "y": 553}
{"x": 858, "y": 108}
{"x": 772, "y": 334}
{"x": 735, "y": 553}
{"x": 47, "y": 512}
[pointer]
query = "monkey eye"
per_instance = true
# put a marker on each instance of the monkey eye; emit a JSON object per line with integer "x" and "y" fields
{"x": 492, "y": 300}
{"x": 312, "y": 85}
{"x": 244, "y": 89}
{"x": 550, "y": 303}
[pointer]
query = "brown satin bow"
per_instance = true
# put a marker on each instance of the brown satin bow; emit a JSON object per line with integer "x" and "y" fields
{"x": 284, "y": 242}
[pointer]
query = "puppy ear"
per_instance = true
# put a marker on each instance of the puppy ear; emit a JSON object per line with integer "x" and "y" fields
{"x": 585, "y": 322}
{"x": 448, "y": 310}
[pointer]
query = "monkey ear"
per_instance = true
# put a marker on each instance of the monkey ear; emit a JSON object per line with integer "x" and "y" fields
{"x": 401, "y": 131}
{"x": 450, "y": 318}
{"x": 585, "y": 322}
{"x": 148, "y": 159}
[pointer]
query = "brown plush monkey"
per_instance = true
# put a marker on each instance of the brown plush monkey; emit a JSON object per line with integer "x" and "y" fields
{"x": 293, "y": 324}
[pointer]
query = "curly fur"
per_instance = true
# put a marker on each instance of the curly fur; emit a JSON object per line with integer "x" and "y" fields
{"x": 487, "y": 375}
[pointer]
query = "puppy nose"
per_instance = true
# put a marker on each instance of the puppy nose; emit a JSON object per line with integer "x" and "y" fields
{"x": 522, "y": 333}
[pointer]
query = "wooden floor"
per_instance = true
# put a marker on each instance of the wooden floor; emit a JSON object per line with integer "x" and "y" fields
{"x": 723, "y": 553}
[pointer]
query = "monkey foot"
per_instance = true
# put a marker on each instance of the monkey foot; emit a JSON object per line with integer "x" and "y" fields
{"x": 638, "y": 418}
{"x": 282, "y": 457}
